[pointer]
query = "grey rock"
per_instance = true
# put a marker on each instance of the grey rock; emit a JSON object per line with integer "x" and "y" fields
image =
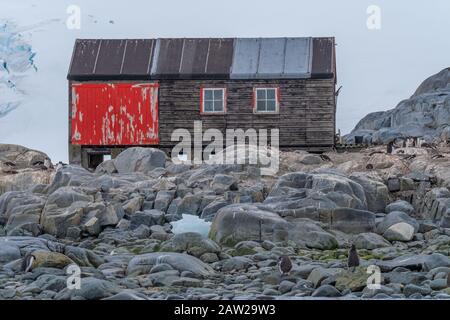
{"x": 147, "y": 218}
{"x": 235, "y": 263}
{"x": 223, "y": 182}
{"x": 190, "y": 204}
{"x": 319, "y": 274}
{"x": 445, "y": 220}
{"x": 377, "y": 193}
{"x": 92, "y": 226}
{"x": 209, "y": 211}
{"x": 240, "y": 222}
{"x": 311, "y": 159}
{"x": 394, "y": 218}
{"x": 411, "y": 289}
{"x": 187, "y": 282}
{"x": 107, "y": 167}
{"x": 182, "y": 262}
{"x": 73, "y": 233}
{"x": 401, "y": 231}
{"x": 415, "y": 262}
{"x": 161, "y": 267}
{"x": 371, "y": 293}
{"x": 286, "y": 286}
{"x": 425, "y": 114}
{"x": 111, "y": 215}
{"x": 209, "y": 257}
{"x": 70, "y": 175}
{"x": 352, "y": 220}
{"x": 400, "y": 205}
{"x": 142, "y": 232}
{"x": 438, "y": 284}
{"x": 128, "y": 295}
{"x": 192, "y": 243}
{"x": 139, "y": 159}
{"x": 370, "y": 241}
{"x": 64, "y": 209}
{"x": 90, "y": 289}
{"x": 404, "y": 277}
{"x": 50, "y": 282}
{"x": 163, "y": 199}
{"x": 9, "y": 252}
{"x": 326, "y": 291}
{"x": 83, "y": 257}
{"x": 133, "y": 205}
{"x": 22, "y": 210}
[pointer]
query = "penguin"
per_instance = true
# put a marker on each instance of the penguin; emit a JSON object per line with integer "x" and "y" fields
{"x": 284, "y": 265}
{"x": 353, "y": 258}
{"x": 390, "y": 147}
{"x": 60, "y": 165}
{"x": 448, "y": 280}
{"x": 27, "y": 262}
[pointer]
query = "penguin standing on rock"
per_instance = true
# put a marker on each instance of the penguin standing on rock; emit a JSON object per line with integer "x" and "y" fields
{"x": 353, "y": 258}
{"x": 285, "y": 265}
{"x": 27, "y": 262}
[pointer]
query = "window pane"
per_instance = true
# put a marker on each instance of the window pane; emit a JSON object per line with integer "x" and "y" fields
{"x": 218, "y": 94}
{"x": 260, "y": 94}
{"x": 218, "y": 106}
{"x": 271, "y": 94}
{"x": 208, "y": 106}
{"x": 261, "y": 105}
{"x": 208, "y": 94}
{"x": 271, "y": 105}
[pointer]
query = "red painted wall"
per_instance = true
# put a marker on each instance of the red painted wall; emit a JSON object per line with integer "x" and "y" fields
{"x": 108, "y": 114}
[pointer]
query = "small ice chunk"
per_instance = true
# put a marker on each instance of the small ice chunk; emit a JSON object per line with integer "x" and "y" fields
{"x": 191, "y": 223}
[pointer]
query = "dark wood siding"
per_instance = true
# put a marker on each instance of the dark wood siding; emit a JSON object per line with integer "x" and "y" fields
{"x": 306, "y": 118}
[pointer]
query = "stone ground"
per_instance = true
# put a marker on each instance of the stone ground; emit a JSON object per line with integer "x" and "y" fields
{"x": 114, "y": 224}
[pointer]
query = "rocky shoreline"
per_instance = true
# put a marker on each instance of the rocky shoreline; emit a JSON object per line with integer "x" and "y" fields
{"x": 116, "y": 225}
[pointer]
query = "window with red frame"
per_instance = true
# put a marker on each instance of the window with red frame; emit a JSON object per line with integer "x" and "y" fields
{"x": 266, "y": 100}
{"x": 213, "y": 100}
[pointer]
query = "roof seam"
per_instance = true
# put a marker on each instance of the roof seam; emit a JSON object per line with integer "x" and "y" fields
{"x": 96, "y": 58}
{"x": 181, "y": 57}
{"x": 283, "y": 72}
{"x": 123, "y": 57}
{"x": 151, "y": 56}
{"x": 258, "y": 61}
{"x": 207, "y": 56}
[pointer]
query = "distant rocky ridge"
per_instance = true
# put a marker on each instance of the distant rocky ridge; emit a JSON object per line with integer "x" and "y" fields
{"x": 426, "y": 114}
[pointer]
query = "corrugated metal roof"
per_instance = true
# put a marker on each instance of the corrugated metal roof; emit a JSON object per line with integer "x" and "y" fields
{"x": 263, "y": 58}
{"x": 220, "y": 56}
{"x": 84, "y": 57}
{"x": 323, "y": 62}
{"x": 192, "y": 58}
{"x": 111, "y": 59}
{"x": 203, "y": 58}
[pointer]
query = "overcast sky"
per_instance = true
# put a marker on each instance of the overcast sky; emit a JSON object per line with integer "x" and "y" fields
{"x": 377, "y": 68}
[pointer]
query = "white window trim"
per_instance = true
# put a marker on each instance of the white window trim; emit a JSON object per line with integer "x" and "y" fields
{"x": 277, "y": 102}
{"x": 223, "y": 101}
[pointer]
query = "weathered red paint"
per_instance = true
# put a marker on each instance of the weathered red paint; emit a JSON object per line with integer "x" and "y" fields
{"x": 105, "y": 114}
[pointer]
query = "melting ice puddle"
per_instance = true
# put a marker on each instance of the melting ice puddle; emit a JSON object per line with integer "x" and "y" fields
{"x": 191, "y": 223}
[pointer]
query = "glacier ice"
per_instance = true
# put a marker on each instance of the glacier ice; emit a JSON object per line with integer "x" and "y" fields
{"x": 16, "y": 61}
